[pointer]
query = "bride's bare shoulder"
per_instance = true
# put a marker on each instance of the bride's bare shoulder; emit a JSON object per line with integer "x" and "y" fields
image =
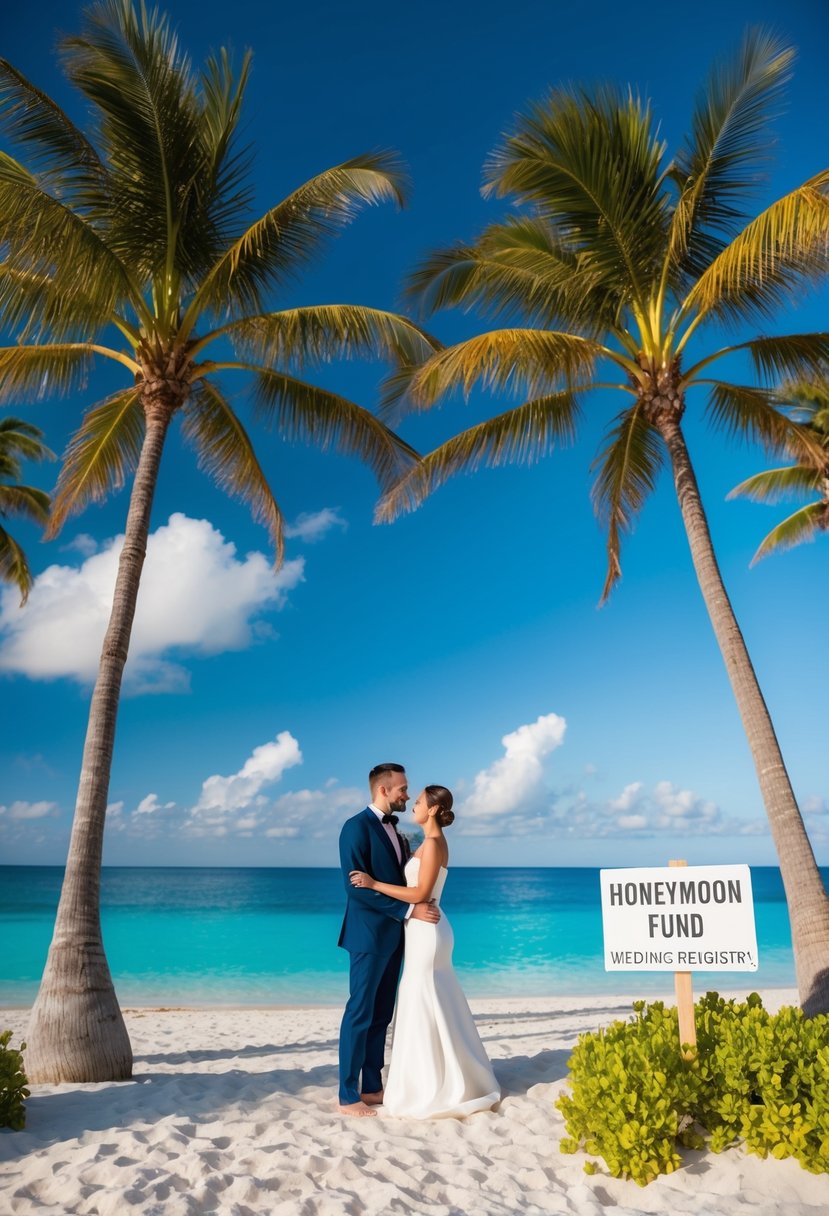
{"x": 434, "y": 848}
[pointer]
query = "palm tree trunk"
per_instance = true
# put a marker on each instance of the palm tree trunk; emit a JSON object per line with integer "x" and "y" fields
{"x": 805, "y": 893}
{"x": 76, "y": 1031}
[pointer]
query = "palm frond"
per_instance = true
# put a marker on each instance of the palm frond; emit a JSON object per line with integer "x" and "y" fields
{"x": 20, "y": 439}
{"x": 226, "y": 454}
{"x": 13, "y": 565}
{"x": 807, "y": 400}
{"x": 521, "y": 435}
{"x": 760, "y": 270}
{"x": 227, "y": 189}
{"x": 794, "y": 356}
{"x": 35, "y": 372}
{"x": 322, "y": 332}
{"x": 100, "y": 456}
{"x": 590, "y": 164}
{"x": 519, "y": 269}
{"x": 517, "y": 360}
{"x": 45, "y": 239}
{"x": 753, "y": 415}
{"x": 628, "y": 467}
{"x": 803, "y": 525}
{"x": 772, "y": 485}
{"x": 717, "y": 168}
{"x": 57, "y": 149}
{"x": 24, "y": 501}
{"x": 291, "y": 233}
{"x": 128, "y": 63}
{"x": 302, "y": 411}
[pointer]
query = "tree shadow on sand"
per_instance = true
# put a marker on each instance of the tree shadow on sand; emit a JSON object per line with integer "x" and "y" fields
{"x": 232, "y": 1053}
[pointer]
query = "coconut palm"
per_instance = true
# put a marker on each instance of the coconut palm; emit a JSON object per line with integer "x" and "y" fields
{"x": 19, "y": 440}
{"x": 607, "y": 277}
{"x": 809, "y": 475}
{"x": 135, "y": 243}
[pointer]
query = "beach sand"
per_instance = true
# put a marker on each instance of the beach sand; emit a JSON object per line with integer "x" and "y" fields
{"x": 233, "y": 1112}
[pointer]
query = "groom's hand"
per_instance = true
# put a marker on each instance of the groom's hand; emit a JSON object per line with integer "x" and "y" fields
{"x": 426, "y": 911}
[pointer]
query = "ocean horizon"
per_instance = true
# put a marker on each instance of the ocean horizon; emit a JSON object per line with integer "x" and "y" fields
{"x": 251, "y": 936}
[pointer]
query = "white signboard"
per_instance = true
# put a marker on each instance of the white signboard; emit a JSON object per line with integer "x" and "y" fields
{"x": 678, "y": 918}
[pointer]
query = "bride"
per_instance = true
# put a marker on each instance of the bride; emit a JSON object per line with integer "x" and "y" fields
{"x": 438, "y": 1064}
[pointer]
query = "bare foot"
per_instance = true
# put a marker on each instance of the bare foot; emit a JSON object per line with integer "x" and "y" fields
{"x": 357, "y": 1110}
{"x": 373, "y": 1099}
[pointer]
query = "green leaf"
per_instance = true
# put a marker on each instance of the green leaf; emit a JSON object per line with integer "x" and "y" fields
{"x": 299, "y": 410}
{"x": 521, "y": 435}
{"x": 628, "y": 467}
{"x": 101, "y": 455}
{"x": 803, "y": 525}
{"x": 226, "y": 454}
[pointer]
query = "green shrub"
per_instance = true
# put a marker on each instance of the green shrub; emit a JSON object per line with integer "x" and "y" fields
{"x": 12, "y": 1085}
{"x": 755, "y": 1077}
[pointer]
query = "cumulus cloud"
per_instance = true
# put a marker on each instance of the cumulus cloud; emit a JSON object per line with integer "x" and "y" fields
{"x": 150, "y": 804}
{"x": 503, "y": 793}
{"x": 197, "y": 596}
{"x": 664, "y": 809}
{"x": 82, "y": 543}
{"x": 311, "y": 526}
{"x": 264, "y": 767}
{"x": 29, "y": 810}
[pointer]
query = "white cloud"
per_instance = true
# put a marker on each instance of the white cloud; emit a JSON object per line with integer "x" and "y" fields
{"x": 663, "y": 810}
{"x": 196, "y": 596}
{"x": 631, "y": 823}
{"x": 312, "y": 526}
{"x": 264, "y": 766}
{"x": 508, "y": 788}
{"x": 628, "y": 797}
{"x": 82, "y": 543}
{"x": 150, "y": 804}
{"x": 29, "y": 810}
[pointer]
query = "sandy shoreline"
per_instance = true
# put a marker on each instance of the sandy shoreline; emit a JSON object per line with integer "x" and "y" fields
{"x": 232, "y": 1111}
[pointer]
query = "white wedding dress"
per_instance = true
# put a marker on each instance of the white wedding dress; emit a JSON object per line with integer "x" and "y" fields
{"x": 439, "y": 1067}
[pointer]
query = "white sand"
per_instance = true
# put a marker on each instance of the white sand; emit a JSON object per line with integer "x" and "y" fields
{"x": 233, "y": 1112}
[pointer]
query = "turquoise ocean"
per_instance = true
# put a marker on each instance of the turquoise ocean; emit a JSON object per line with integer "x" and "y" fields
{"x": 269, "y": 936}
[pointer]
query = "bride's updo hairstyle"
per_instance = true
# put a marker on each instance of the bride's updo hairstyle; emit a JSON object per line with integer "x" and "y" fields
{"x": 441, "y": 797}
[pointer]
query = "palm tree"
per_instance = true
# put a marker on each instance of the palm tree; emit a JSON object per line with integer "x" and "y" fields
{"x": 134, "y": 244}
{"x": 613, "y": 268}
{"x": 809, "y": 474}
{"x": 19, "y": 439}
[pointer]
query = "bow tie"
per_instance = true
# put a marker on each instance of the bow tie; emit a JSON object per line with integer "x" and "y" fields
{"x": 392, "y": 819}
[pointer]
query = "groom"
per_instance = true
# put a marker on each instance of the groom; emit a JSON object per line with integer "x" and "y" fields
{"x": 372, "y": 933}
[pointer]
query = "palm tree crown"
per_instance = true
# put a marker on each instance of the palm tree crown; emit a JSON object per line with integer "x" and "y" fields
{"x": 19, "y": 440}
{"x": 620, "y": 260}
{"x": 140, "y": 231}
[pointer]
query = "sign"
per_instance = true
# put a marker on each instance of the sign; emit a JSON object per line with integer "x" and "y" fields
{"x": 697, "y": 918}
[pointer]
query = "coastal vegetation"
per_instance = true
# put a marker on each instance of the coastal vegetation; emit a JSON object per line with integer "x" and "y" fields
{"x": 13, "y": 1084}
{"x": 134, "y": 242}
{"x": 755, "y": 1078}
{"x": 808, "y": 476}
{"x": 617, "y": 273}
{"x": 19, "y": 441}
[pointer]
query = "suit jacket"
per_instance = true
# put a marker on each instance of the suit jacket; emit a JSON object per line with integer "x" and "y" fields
{"x": 373, "y": 923}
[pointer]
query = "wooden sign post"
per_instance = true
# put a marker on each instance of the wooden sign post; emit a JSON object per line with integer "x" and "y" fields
{"x": 684, "y": 988}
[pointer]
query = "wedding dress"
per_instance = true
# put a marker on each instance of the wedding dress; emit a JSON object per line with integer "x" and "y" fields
{"x": 439, "y": 1067}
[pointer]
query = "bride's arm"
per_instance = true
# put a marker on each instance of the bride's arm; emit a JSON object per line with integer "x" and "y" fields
{"x": 428, "y": 876}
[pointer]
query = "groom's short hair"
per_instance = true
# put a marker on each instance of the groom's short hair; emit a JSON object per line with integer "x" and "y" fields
{"x": 379, "y": 771}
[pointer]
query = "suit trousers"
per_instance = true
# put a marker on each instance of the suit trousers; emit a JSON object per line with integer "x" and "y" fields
{"x": 368, "y": 1012}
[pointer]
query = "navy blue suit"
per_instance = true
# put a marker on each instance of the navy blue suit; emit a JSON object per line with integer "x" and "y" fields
{"x": 372, "y": 933}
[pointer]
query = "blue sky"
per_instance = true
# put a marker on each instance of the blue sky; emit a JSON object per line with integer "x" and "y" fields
{"x": 465, "y": 640}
